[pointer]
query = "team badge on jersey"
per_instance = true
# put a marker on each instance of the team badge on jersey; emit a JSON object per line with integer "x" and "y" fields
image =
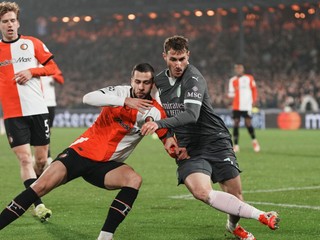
{"x": 149, "y": 119}
{"x": 23, "y": 46}
{"x": 195, "y": 88}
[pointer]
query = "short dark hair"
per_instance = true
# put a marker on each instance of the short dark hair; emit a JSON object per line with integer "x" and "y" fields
{"x": 177, "y": 43}
{"x": 143, "y": 67}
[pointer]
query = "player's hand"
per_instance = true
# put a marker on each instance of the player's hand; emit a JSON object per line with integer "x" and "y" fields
{"x": 138, "y": 103}
{"x": 172, "y": 148}
{"x": 149, "y": 128}
{"x": 183, "y": 153}
{"x": 22, "y": 77}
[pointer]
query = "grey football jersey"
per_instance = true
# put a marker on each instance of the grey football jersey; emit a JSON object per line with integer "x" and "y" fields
{"x": 188, "y": 107}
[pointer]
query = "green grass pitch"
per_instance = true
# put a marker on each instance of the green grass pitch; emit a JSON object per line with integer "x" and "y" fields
{"x": 284, "y": 176}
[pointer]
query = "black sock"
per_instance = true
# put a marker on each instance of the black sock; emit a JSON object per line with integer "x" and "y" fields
{"x": 27, "y": 184}
{"x": 236, "y": 135}
{"x": 120, "y": 208}
{"x": 251, "y": 132}
{"x": 17, "y": 207}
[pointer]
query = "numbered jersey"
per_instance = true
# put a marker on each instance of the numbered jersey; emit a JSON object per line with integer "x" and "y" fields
{"x": 21, "y": 54}
{"x": 116, "y": 132}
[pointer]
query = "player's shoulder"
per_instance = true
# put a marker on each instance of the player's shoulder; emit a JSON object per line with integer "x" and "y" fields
{"x": 250, "y": 76}
{"x": 161, "y": 75}
{"x": 124, "y": 89}
{"x": 193, "y": 74}
{"x": 31, "y": 38}
{"x": 191, "y": 69}
{"x": 233, "y": 78}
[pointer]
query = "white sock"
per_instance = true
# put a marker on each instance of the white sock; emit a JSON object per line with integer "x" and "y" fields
{"x": 105, "y": 236}
{"x": 230, "y": 204}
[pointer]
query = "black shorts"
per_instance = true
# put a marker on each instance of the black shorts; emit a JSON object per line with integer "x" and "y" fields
{"x": 91, "y": 171}
{"x": 237, "y": 114}
{"x": 52, "y": 114}
{"x": 220, "y": 165}
{"x": 33, "y": 130}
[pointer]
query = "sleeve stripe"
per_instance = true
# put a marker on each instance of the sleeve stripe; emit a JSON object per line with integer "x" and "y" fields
{"x": 193, "y": 101}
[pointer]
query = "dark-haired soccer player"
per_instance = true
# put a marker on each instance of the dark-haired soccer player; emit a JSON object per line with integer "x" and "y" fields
{"x": 243, "y": 90}
{"x": 98, "y": 155}
{"x": 184, "y": 95}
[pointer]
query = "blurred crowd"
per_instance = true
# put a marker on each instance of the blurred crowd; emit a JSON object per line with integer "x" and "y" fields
{"x": 282, "y": 53}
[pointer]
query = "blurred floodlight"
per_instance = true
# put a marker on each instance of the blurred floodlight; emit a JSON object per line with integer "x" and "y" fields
{"x": 311, "y": 11}
{"x": 295, "y": 7}
{"x": 131, "y": 16}
{"x": 210, "y": 13}
{"x": 198, "y": 13}
{"x": 153, "y": 15}
{"x": 87, "y": 18}
{"x": 65, "y": 19}
{"x": 76, "y": 19}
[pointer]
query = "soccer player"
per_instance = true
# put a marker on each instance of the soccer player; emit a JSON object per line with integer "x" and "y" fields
{"x": 98, "y": 154}
{"x": 243, "y": 90}
{"x": 184, "y": 95}
{"x": 48, "y": 88}
{"x": 25, "y": 112}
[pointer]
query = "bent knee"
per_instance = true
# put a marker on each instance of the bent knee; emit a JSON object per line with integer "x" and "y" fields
{"x": 134, "y": 181}
{"x": 201, "y": 195}
{"x": 40, "y": 188}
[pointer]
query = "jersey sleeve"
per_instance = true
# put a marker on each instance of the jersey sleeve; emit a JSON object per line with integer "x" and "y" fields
{"x": 254, "y": 91}
{"x": 42, "y": 53}
{"x": 109, "y": 96}
{"x": 194, "y": 90}
{"x": 163, "y": 133}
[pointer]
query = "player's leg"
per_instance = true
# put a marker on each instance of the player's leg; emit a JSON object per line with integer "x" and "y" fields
{"x": 126, "y": 179}
{"x": 251, "y": 131}
{"x": 28, "y": 175}
{"x": 199, "y": 184}
{"x": 40, "y": 158}
{"x": 232, "y": 205}
{"x": 24, "y": 155}
{"x": 233, "y": 186}
{"x": 236, "y": 125}
{"x": 197, "y": 178}
{"x": 40, "y": 139}
{"x": 52, "y": 113}
{"x": 54, "y": 175}
{"x": 123, "y": 177}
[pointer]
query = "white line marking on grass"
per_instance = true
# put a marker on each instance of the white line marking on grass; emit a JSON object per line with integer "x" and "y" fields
{"x": 286, "y": 205}
{"x": 284, "y": 189}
